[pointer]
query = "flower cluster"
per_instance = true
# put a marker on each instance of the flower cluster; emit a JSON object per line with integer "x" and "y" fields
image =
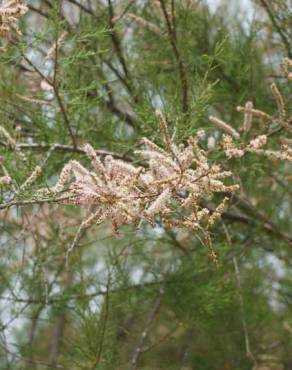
{"x": 171, "y": 185}
{"x": 10, "y": 12}
{"x": 5, "y": 180}
{"x": 276, "y": 123}
{"x": 287, "y": 68}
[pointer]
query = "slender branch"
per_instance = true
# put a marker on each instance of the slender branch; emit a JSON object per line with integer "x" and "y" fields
{"x": 122, "y": 79}
{"x": 249, "y": 353}
{"x": 104, "y": 317}
{"x": 39, "y": 11}
{"x": 56, "y": 51}
{"x": 101, "y": 292}
{"x": 67, "y": 148}
{"x": 272, "y": 17}
{"x": 57, "y": 94}
{"x": 34, "y": 362}
{"x": 139, "y": 349}
{"x": 163, "y": 339}
{"x": 65, "y": 116}
{"x": 57, "y": 340}
{"x": 58, "y": 97}
{"x": 111, "y": 105}
{"x": 115, "y": 39}
{"x": 32, "y": 201}
{"x": 127, "y": 8}
{"x": 32, "y": 332}
{"x": 182, "y": 72}
{"x": 268, "y": 225}
{"x": 173, "y": 18}
{"x": 82, "y": 7}
{"x": 249, "y": 215}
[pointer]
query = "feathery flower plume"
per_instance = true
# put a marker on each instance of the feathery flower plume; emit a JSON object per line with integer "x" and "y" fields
{"x": 11, "y": 142}
{"x": 255, "y": 112}
{"x": 287, "y": 68}
{"x": 160, "y": 203}
{"x": 33, "y": 176}
{"x": 152, "y": 146}
{"x": 164, "y": 128}
{"x": 5, "y": 180}
{"x": 258, "y": 142}
{"x": 144, "y": 23}
{"x": 229, "y": 147}
{"x": 247, "y": 116}
{"x": 97, "y": 164}
{"x": 218, "y": 212}
{"x": 32, "y": 100}
{"x": 279, "y": 100}
{"x": 224, "y": 126}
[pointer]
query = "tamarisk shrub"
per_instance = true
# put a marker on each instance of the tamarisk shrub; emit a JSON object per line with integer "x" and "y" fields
{"x": 80, "y": 146}
{"x": 173, "y": 181}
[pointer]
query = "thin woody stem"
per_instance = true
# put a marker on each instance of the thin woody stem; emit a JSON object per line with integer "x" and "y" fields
{"x": 58, "y": 97}
{"x": 33, "y": 201}
{"x": 180, "y": 65}
{"x": 139, "y": 349}
{"x": 65, "y": 148}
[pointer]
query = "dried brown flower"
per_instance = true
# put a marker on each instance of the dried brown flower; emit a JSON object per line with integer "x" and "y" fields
{"x": 10, "y": 12}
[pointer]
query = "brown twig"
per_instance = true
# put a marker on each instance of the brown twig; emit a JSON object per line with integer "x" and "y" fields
{"x": 32, "y": 201}
{"x": 82, "y": 7}
{"x": 104, "y": 317}
{"x": 267, "y": 224}
{"x": 65, "y": 116}
{"x": 181, "y": 68}
{"x": 272, "y": 17}
{"x": 65, "y": 148}
{"x": 34, "y": 362}
{"x": 123, "y": 12}
{"x": 56, "y": 340}
{"x": 248, "y": 351}
{"x": 39, "y": 11}
{"x": 115, "y": 39}
{"x": 139, "y": 348}
{"x": 57, "y": 95}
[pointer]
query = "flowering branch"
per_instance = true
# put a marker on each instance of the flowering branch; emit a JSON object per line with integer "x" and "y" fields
{"x": 171, "y": 187}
